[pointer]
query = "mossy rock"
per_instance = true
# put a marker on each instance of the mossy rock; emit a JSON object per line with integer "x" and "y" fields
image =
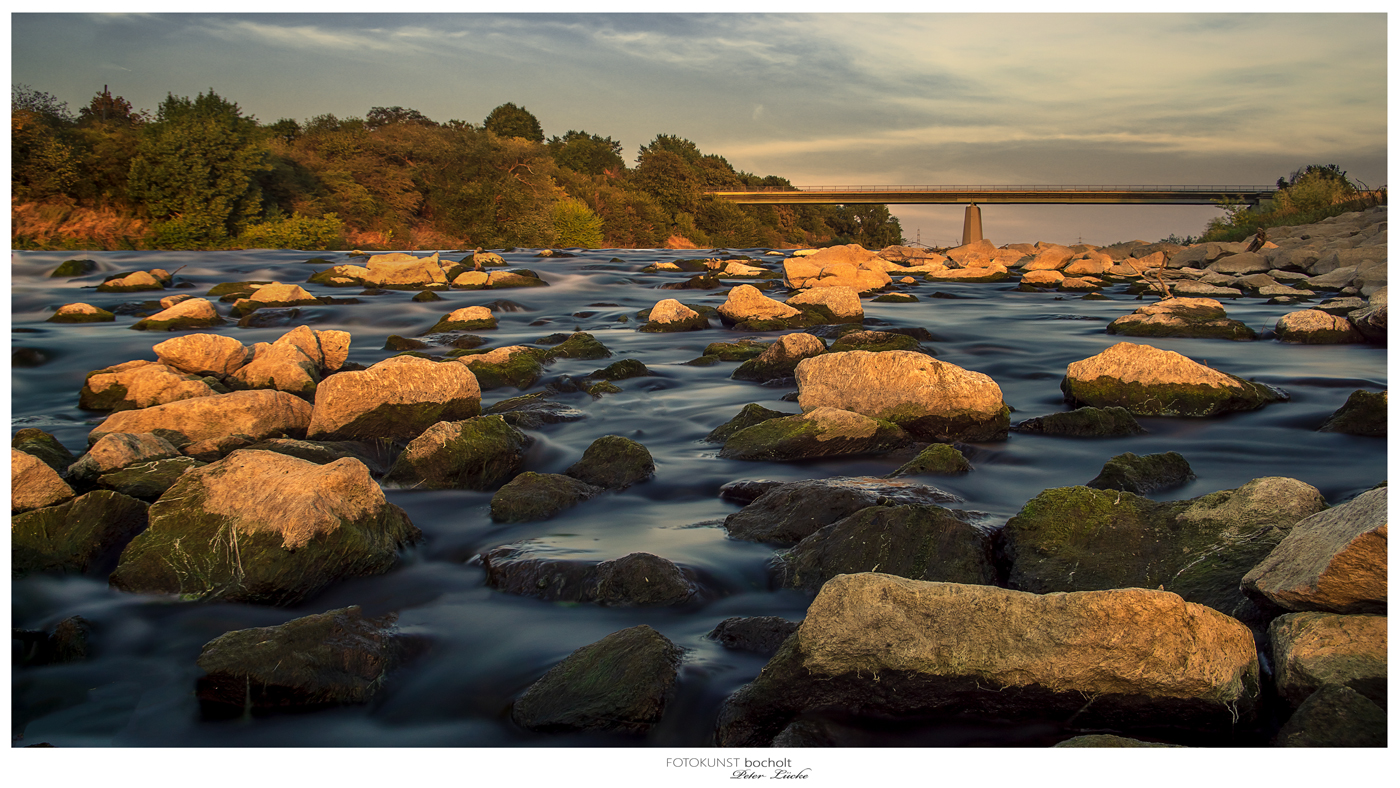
{"x": 748, "y": 416}
{"x": 1145, "y": 474}
{"x": 703, "y": 310}
{"x": 179, "y": 324}
{"x": 1220, "y": 328}
{"x": 270, "y": 318}
{"x": 426, "y": 297}
{"x": 417, "y": 354}
{"x": 697, "y": 323}
{"x": 83, "y": 535}
{"x": 939, "y": 459}
{"x": 538, "y": 496}
{"x": 479, "y": 453}
{"x": 532, "y": 411}
{"x": 444, "y": 325}
{"x": 703, "y": 361}
{"x": 874, "y": 342}
{"x": 803, "y": 320}
{"x": 44, "y": 446}
{"x": 597, "y": 390}
{"x": 896, "y": 298}
{"x": 580, "y": 345}
{"x": 73, "y": 268}
{"x": 396, "y": 342}
{"x": 456, "y": 339}
{"x": 1364, "y": 413}
{"x": 1170, "y": 399}
{"x": 238, "y": 289}
{"x": 918, "y": 542}
{"x": 815, "y": 434}
{"x": 248, "y": 307}
{"x": 741, "y": 350}
{"x": 622, "y": 370}
{"x": 613, "y": 462}
{"x": 99, "y": 315}
{"x": 1086, "y": 422}
{"x": 517, "y": 277}
{"x": 148, "y": 480}
{"x": 329, "y": 278}
{"x": 520, "y": 371}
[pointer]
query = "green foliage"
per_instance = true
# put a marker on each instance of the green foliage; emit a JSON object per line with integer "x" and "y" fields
{"x": 1308, "y": 195}
{"x": 871, "y": 226}
{"x": 509, "y": 120}
{"x": 587, "y": 153}
{"x": 195, "y": 167}
{"x": 575, "y": 225}
{"x": 106, "y": 108}
{"x": 379, "y": 117}
{"x": 295, "y": 232}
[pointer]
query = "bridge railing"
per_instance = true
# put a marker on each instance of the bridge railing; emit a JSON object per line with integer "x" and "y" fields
{"x": 1031, "y": 188}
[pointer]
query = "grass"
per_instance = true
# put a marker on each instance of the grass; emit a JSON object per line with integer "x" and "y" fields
{"x": 1242, "y": 224}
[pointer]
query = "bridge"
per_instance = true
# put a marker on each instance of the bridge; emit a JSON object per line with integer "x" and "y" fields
{"x": 1002, "y": 195}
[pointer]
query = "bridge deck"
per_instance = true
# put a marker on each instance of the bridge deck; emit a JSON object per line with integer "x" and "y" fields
{"x": 1024, "y": 195}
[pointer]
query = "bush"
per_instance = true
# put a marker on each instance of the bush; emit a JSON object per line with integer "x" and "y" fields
{"x": 295, "y": 232}
{"x": 575, "y": 225}
{"x": 1312, "y": 194}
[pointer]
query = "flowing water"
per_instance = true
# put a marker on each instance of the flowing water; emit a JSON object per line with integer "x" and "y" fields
{"x": 487, "y": 646}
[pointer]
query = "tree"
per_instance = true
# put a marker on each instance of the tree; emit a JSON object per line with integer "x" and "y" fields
{"x": 43, "y": 162}
{"x": 286, "y": 130}
{"x": 509, "y": 120}
{"x": 871, "y": 226}
{"x": 379, "y": 117}
{"x": 46, "y": 105}
{"x": 587, "y": 153}
{"x": 106, "y": 108}
{"x": 194, "y": 170}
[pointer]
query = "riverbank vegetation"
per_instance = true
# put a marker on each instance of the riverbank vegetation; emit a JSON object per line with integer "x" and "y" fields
{"x": 200, "y": 174}
{"x": 1308, "y": 195}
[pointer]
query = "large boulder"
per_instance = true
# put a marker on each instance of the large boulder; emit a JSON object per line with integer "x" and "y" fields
{"x": 194, "y": 313}
{"x": 538, "y": 496}
{"x": 468, "y": 318}
{"x": 890, "y": 647}
{"x": 44, "y": 446}
{"x": 1335, "y": 716}
{"x": 613, "y": 463}
{"x": 282, "y": 366}
{"x": 790, "y": 512}
{"x": 140, "y": 384}
{"x": 116, "y": 450}
{"x": 920, "y": 542}
{"x": 340, "y": 656}
{"x": 1152, "y": 382}
{"x": 833, "y": 304}
{"x": 819, "y": 432}
{"x": 1083, "y": 539}
{"x": 1182, "y": 317}
{"x": 516, "y": 366}
{"x": 264, "y": 528}
{"x": 671, "y": 315}
{"x": 779, "y": 360}
{"x": 400, "y": 397}
{"x": 83, "y": 535}
{"x": 931, "y": 399}
{"x": 621, "y": 683}
{"x": 1334, "y": 561}
{"x": 634, "y": 580}
{"x": 394, "y": 272}
{"x": 1364, "y": 413}
{"x": 480, "y": 453}
{"x": 257, "y": 414}
{"x": 81, "y": 313}
{"x": 147, "y": 481}
{"x": 1314, "y": 650}
{"x": 1315, "y": 327}
{"x": 33, "y": 484}
{"x": 203, "y": 354}
{"x": 748, "y": 309}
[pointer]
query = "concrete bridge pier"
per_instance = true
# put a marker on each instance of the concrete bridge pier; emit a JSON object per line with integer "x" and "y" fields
{"x": 972, "y": 224}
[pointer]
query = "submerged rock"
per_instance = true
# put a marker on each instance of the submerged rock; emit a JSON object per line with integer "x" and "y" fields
{"x": 1142, "y": 475}
{"x": 820, "y": 432}
{"x": 1148, "y": 659}
{"x": 480, "y": 453}
{"x": 264, "y": 528}
{"x": 83, "y": 535}
{"x": 760, "y": 634}
{"x": 634, "y": 580}
{"x": 614, "y": 463}
{"x": 1086, "y": 422}
{"x": 1152, "y": 382}
{"x": 748, "y": 416}
{"x": 874, "y": 342}
{"x": 340, "y": 656}
{"x": 1364, "y": 413}
{"x": 580, "y": 344}
{"x": 538, "y": 496}
{"x": 939, "y": 459}
{"x": 786, "y": 513}
{"x": 621, "y": 683}
{"x": 532, "y": 411}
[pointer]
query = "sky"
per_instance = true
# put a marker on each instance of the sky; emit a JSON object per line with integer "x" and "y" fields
{"x": 820, "y": 99}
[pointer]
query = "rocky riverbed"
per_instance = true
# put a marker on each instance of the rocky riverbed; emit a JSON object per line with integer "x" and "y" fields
{"x": 751, "y": 497}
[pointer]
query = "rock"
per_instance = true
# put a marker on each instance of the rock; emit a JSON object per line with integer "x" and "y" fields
{"x": 274, "y": 295}
{"x": 264, "y": 528}
{"x": 486, "y": 259}
{"x": 116, "y": 450}
{"x": 1082, "y": 539}
{"x": 1315, "y": 327}
{"x": 1203, "y": 290}
{"x": 373, "y": 455}
{"x": 1364, "y": 413}
{"x": 917, "y": 542}
{"x": 634, "y": 580}
{"x": 532, "y": 411}
{"x": 341, "y": 276}
{"x": 742, "y": 350}
{"x": 819, "y": 432}
{"x": 1371, "y": 321}
{"x": 400, "y": 271}
{"x": 398, "y": 343}
{"x": 1052, "y": 258}
{"x": 44, "y": 446}
{"x": 1239, "y": 264}
{"x": 270, "y": 318}
{"x": 1182, "y": 317}
{"x": 1315, "y": 650}
{"x": 1142, "y": 475}
{"x": 66, "y": 644}
{"x": 1334, "y": 561}
{"x": 139, "y": 384}
{"x": 203, "y": 354}
{"x": 81, "y": 313}
{"x": 622, "y": 370}
{"x": 326, "y": 349}
{"x": 480, "y": 453}
{"x": 470, "y": 318}
{"x": 748, "y": 416}
{"x": 74, "y": 268}
{"x": 1109, "y": 740}
{"x": 399, "y": 397}
{"x": 133, "y": 282}
{"x": 1152, "y": 382}
{"x": 194, "y": 313}
{"x": 835, "y": 304}
{"x": 787, "y": 513}
{"x": 1147, "y": 658}
{"x": 671, "y": 315}
{"x": 1086, "y": 422}
{"x": 427, "y": 296}
{"x": 748, "y": 309}
{"x": 1334, "y": 717}
{"x": 520, "y": 277}
{"x": 995, "y": 272}
{"x": 1041, "y": 278}
{"x": 147, "y": 480}
{"x": 538, "y": 496}
{"x": 931, "y": 399}
{"x": 621, "y": 683}
{"x": 517, "y": 366}
{"x": 33, "y": 484}
{"x": 939, "y": 459}
{"x": 874, "y": 342}
{"x": 83, "y": 535}
{"x": 258, "y": 414}
{"x": 613, "y": 463}
{"x": 838, "y": 266}
{"x": 899, "y": 298}
{"x": 214, "y": 449}
{"x": 581, "y": 345}
{"x": 340, "y": 656}
{"x": 779, "y": 360}
{"x": 759, "y": 634}
{"x": 281, "y": 366}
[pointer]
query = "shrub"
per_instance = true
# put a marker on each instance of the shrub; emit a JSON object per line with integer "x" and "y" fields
{"x": 295, "y": 232}
{"x": 576, "y": 225}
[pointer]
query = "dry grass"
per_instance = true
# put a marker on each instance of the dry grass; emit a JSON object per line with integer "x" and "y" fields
{"x": 65, "y": 225}
{"x": 680, "y": 242}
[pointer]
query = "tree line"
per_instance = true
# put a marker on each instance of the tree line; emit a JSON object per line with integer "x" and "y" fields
{"x": 200, "y": 174}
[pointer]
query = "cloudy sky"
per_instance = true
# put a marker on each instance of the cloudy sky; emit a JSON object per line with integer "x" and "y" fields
{"x": 822, "y": 99}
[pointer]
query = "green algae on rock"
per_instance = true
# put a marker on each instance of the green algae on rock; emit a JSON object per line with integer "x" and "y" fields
{"x": 479, "y": 453}
{"x": 939, "y": 459}
{"x": 613, "y": 462}
{"x": 748, "y": 416}
{"x": 1142, "y": 475}
{"x": 538, "y": 496}
{"x": 821, "y": 432}
{"x": 516, "y": 366}
{"x": 1085, "y": 422}
{"x": 1148, "y": 381}
{"x": 83, "y": 535}
{"x": 1364, "y": 413}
